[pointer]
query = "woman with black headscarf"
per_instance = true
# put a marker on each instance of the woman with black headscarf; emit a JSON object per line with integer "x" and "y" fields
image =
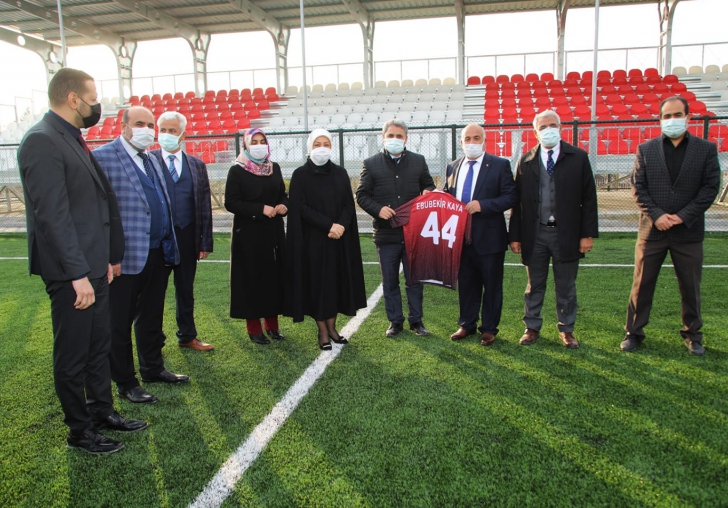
{"x": 256, "y": 195}
{"x": 325, "y": 275}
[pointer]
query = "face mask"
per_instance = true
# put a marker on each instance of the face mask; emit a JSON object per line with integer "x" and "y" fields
{"x": 142, "y": 137}
{"x": 472, "y": 150}
{"x": 550, "y": 137}
{"x": 320, "y": 156}
{"x": 394, "y": 146}
{"x": 258, "y": 152}
{"x": 673, "y": 127}
{"x": 169, "y": 142}
{"x": 94, "y": 117}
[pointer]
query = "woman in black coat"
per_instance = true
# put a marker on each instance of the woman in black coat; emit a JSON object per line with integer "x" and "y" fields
{"x": 325, "y": 274}
{"x": 256, "y": 194}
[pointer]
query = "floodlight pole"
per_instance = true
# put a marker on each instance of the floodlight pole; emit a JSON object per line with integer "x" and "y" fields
{"x": 594, "y": 143}
{"x": 303, "y": 66}
{"x": 63, "y": 36}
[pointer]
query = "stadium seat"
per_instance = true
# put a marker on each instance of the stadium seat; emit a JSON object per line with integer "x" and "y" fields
{"x": 491, "y": 115}
{"x": 677, "y": 88}
{"x": 635, "y": 80}
{"x": 660, "y": 88}
{"x": 527, "y": 114}
{"x": 542, "y": 103}
{"x": 532, "y": 77}
{"x": 509, "y": 115}
{"x": 487, "y": 79}
{"x": 638, "y": 109}
{"x": 573, "y": 75}
{"x": 619, "y": 73}
{"x": 653, "y": 80}
{"x": 435, "y": 82}
{"x": 604, "y": 74}
{"x": 695, "y": 69}
{"x": 697, "y": 108}
{"x": 502, "y": 78}
{"x": 578, "y": 100}
{"x": 517, "y": 78}
{"x": 547, "y": 76}
{"x": 619, "y": 110}
{"x": 508, "y": 102}
{"x": 473, "y": 80}
{"x": 670, "y": 79}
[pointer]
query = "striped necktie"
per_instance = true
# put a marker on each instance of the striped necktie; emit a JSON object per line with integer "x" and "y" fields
{"x": 172, "y": 169}
{"x": 147, "y": 166}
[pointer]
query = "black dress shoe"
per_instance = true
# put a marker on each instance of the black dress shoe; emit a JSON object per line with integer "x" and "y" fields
{"x": 394, "y": 329}
{"x": 117, "y": 422}
{"x": 259, "y": 338}
{"x": 696, "y": 348}
{"x": 340, "y": 340}
{"x": 168, "y": 377}
{"x": 275, "y": 334}
{"x": 91, "y": 441}
{"x": 419, "y": 329}
{"x": 630, "y": 342}
{"x": 138, "y": 395}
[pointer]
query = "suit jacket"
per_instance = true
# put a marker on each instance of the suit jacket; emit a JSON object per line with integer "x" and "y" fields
{"x": 496, "y": 193}
{"x": 689, "y": 197}
{"x": 135, "y": 212}
{"x": 74, "y": 227}
{"x": 203, "y": 202}
{"x": 576, "y": 201}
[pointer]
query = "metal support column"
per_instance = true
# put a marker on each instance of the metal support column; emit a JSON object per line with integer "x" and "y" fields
{"x": 124, "y": 54}
{"x": 667, "y": 14}
{"x": 281, "y": 46}
{"x": 460, "y": 20}
{"x": 563, "y": 9}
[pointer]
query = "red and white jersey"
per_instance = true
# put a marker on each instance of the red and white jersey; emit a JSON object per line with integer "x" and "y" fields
{"x": 434, "y": 232}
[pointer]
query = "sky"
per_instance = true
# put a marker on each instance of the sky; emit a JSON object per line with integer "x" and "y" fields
{"x": 244, "y": 60}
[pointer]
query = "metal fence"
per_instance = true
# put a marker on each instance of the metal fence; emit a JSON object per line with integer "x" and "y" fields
{"x": 611, "y": 146}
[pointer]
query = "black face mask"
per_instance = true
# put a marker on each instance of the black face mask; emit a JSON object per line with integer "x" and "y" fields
{"x": 94, "y": 117}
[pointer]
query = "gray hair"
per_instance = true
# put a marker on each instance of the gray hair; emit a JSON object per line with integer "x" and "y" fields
{"x": 544, "y": 114}
{"x": 397, "y": 123}
{"x": 173, "y": 115}
{"x": 471, "y": 124}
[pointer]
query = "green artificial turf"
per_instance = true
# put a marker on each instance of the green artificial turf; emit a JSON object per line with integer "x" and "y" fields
{"x": 409, "y": 421}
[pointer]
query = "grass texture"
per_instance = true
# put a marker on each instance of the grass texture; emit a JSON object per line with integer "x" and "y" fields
{"x": 398, "y": 422}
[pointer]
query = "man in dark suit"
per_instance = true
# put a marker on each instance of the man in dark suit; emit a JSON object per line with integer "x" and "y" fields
{"x": 189, "y": 192}
{"x": 75, "y": 243}
{"x": 137, "y": 297}
{"x": 390, "y": 179}
{"x": 484, "y": 183}
{"x": 675, "y": 180}
{"x": 557, "y": 220}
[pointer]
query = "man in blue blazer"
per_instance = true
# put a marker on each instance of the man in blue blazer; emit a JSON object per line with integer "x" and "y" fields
{"x": 189, "y": 192}
{"x": 137, "y": 297}
{"x": 485, "y": 184}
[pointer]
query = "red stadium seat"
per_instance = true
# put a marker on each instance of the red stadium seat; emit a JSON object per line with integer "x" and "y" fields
{"x": 547, "y": 76}
{"x": 582, "y": 112}
{"x": 156, "y": 97}
{"x": 507, "y": 86}
{"x": 619, "y": 81}
{"x": 660, "y": 88}
{"x": 532, "y": 77}
{"x": 578, "y": 100}
{"x": 604, "y": 74}
{"x": 209, "y": 93}
{"x": 491, "y": 104}
{"x": 642, "y": 89}
{"x": 263, "y": 105}
{"x": 636, "y": 80}
{"x": 253, "y": 114}
{"x": 573, "y": 91}
{"x": 570, "y": 82}
{"x": 638, "y": 109}
{"x": 613, "y": 99}
{"x": 619, "y": 73}
{"x": 557, "y": 92}
{"x": 652, "y": 80}
{"x": 632, "y": 98}
{"x": 573, "y": 75}
{"x": 670, "y": 79}
{"x": 243, "y": 123}
{"x": 607, "y": 90}
{"x": 502, "y": 78}
{"x": 603, "y": 110}
{"x": 487, "y": 79}
{"x": 634, "y": 72}
{"x": 621, "y": 110}
{"x": 697, "y": 108}
{"x": 543, "y": 103}
{"x": 517, "y": 78}
{"x": 689, "y": 96}
{"x": 624, "y": 89}
{"x": 540, "y": 92}
{"x": 565, "y": 113}
{"x": 560, "y": 101}
{"x": 554, "y": 83}
{"x": 508, "y": 102}
{"x": 491, "y": 115}
{"x": 190, "y": 95}
{"x": 677, "y": 88}
{"x": 524, "y": 94}
{"x": 257, "y": 91}
{"x": 473, "y": 80}
{"x": 527, "y": 114}
{"x": 491, "y": 94}
{"x": 509, "y": 115}
{"x": 655, "y": 108}
{"x": 507, "y": 93}
{"x": 651, "y": 72}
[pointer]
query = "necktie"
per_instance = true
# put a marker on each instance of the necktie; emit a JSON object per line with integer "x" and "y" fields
{"x": 83, "y": 144}
{"x": 468, "y": 184}
{"x": 550, "y": 163}
{"x": 147, "y": 166}
{"x": 172, "y": 169}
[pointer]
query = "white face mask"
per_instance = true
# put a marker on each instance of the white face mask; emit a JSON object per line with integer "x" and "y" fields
{"x": 673, "y": 127}
{"x": 550, "y": 137}
{"x": 168, "y": 141}
{"x": 142, "y": 137}
{"x": 258, "y": 151}
{"x": 472, "y": 150}
{"x": 394, "y": 146}
{"x": 320, "y": 156}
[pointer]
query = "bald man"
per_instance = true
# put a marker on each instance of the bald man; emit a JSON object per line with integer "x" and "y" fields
{"x": 137, "y": 297}
{"x": 485, "y": 184}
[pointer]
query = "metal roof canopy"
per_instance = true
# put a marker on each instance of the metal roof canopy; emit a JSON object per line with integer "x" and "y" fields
{"x": 120, "y": 24}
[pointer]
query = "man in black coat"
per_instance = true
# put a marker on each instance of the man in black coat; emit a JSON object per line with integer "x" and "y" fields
{"x": 675, "y": 180}
{"x": 390, "y": 179}
{"x": 557, "y": 220}
{"x": 75, "y": 243}
{"x": 484, "y": 183}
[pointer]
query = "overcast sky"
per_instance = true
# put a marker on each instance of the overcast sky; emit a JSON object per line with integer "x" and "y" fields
{"x": 696, "y": 22}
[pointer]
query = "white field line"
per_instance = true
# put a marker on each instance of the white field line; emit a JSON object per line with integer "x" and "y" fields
{"x": 223, "y": 483}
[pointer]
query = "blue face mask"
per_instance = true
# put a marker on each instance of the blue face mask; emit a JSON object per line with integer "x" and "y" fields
{"x": 673, "y": 127}
{"x": 168, "y": 142}
{"x": 394, "y": 146}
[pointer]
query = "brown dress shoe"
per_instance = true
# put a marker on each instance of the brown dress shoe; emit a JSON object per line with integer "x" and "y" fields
{"x": 487, "y": 339}
{"x": 568, "y": 339}
{"x": 529, "y": 337}
{"x": 461, "y": 334}
{"x": 197, "y": 344}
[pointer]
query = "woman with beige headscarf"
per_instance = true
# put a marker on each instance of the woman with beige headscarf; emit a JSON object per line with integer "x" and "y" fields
{"x": 325, "y": 275}
{"x": 256, "y": 195}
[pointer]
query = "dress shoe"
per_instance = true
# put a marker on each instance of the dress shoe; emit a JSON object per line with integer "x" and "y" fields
{"x": 529, "y": 337}
{"x": 630, "y": 342}
{"x": 340, "y": 340}
{"x": 258, "y": 338}
{"x": 324, "y": 346}
{"x": 91, "y": 441}
{"x": 568, "y": 339}
{"x": 461, "y": 334}
{"x": 138, "y": 395}
{"x": 117, "y": 422}
{"x": 487, "y": 339}
{"x": 197, "y": 345}
{"x": 394, "y": 329}
{"x": 275, "y": 334}
{"x": 168, "y": 377}
{"x": 419, "y": 329}
{"x": 696, "y": 348}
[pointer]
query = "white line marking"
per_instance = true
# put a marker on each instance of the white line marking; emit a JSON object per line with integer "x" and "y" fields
{"x": 223, "y": 483}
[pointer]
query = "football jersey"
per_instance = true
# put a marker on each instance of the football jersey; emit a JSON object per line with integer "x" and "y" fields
{"x": 435, "y": 226}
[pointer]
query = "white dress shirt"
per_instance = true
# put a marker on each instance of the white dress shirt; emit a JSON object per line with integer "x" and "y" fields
{"x": 545, "y": 154}
{"x": 177, "y": 160}
{"x": 134, "y": 154}
{"x": 463, "y": 173}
